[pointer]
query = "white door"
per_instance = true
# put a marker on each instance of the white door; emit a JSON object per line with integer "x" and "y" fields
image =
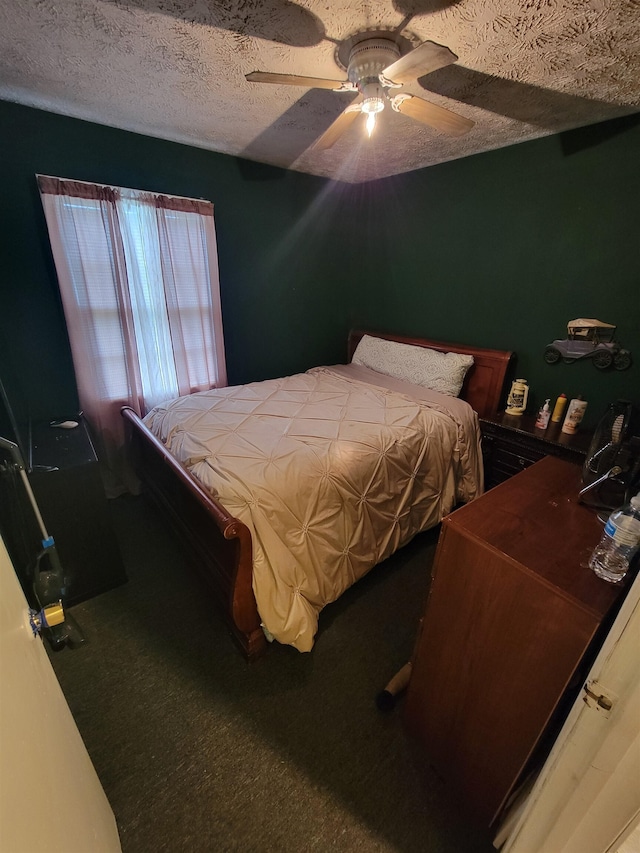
{"x": 50, "y": 796}
{"x": 587, "y": 796}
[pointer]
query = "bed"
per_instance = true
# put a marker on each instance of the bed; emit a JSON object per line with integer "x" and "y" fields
{"x": 286, "y": 492}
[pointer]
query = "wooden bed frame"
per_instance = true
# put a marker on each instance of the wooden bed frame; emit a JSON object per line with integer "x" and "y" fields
{"x": 219, "y": 543}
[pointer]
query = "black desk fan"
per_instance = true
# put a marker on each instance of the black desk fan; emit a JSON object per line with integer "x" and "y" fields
{"x": 611, "y": 471}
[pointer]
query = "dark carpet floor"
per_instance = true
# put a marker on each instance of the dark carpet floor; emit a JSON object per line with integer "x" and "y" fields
{"x": 198, "y": 751}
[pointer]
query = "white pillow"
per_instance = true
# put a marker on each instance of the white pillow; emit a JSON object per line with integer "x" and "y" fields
{"x": 439, "y": 371}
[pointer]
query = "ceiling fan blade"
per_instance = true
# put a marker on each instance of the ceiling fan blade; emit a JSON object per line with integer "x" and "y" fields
{"x": 296, "y": 80}
{"x": 422, "y": 60}
{"x": 432, "y": 114}
{"x": 338, "y": 127}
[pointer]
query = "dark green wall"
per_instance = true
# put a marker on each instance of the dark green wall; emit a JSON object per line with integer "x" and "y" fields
{"x": 279, "y": 233}
{"x": 500, "y": 249}
{"x": 503, "y": 249}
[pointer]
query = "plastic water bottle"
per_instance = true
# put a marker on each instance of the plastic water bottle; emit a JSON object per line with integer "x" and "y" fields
{"x": 620, "y": 541}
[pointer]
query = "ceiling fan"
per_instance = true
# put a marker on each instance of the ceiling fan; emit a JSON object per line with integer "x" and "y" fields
{"x": 375, "y": 64}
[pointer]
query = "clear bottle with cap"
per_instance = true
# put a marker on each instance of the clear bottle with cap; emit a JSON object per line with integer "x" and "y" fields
{"x": 620, "y": 541}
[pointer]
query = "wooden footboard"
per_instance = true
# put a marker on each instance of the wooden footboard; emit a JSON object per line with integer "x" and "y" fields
{"x": 219, "y": 544}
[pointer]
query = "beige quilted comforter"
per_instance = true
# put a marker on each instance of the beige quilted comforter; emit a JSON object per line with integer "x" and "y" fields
{"x": 332, "y": 470}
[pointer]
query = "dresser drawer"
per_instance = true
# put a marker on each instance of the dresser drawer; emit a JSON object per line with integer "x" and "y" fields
{"x": 514, "y": 459}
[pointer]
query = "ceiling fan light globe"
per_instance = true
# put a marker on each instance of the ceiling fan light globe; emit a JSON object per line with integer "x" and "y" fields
{"x": 373, "y": 95}
{"x": 371, "y": 106}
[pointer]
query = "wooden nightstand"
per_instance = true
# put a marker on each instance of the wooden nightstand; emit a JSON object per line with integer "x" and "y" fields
{"x": 512, "y": 443}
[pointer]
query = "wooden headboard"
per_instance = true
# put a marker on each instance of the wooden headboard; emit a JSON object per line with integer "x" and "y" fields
{"x": 484, "y": 383}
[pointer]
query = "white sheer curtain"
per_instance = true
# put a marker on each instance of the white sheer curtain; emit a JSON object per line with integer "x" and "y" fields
{"x": 138, "y": 277}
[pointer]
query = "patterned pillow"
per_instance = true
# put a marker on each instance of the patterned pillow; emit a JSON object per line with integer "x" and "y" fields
{"x": 439, "y": 371}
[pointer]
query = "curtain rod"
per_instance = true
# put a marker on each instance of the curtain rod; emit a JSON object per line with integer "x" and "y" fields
{"x": 114, "y": 187}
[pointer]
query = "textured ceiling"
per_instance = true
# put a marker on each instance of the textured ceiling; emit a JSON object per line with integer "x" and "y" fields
{"x": 176, "y": 69}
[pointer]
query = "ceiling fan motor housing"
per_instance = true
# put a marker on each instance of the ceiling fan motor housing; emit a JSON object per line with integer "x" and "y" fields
{"x": 366, "y": 60}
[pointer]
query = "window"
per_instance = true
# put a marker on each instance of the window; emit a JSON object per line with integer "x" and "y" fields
{"x": 138, "y": 278}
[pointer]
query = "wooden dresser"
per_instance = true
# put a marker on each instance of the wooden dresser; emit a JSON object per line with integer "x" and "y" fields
{"x": 512, "y": 619}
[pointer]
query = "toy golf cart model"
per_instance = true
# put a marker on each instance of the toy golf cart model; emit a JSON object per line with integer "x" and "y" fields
{"x": 589, "y": 339}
